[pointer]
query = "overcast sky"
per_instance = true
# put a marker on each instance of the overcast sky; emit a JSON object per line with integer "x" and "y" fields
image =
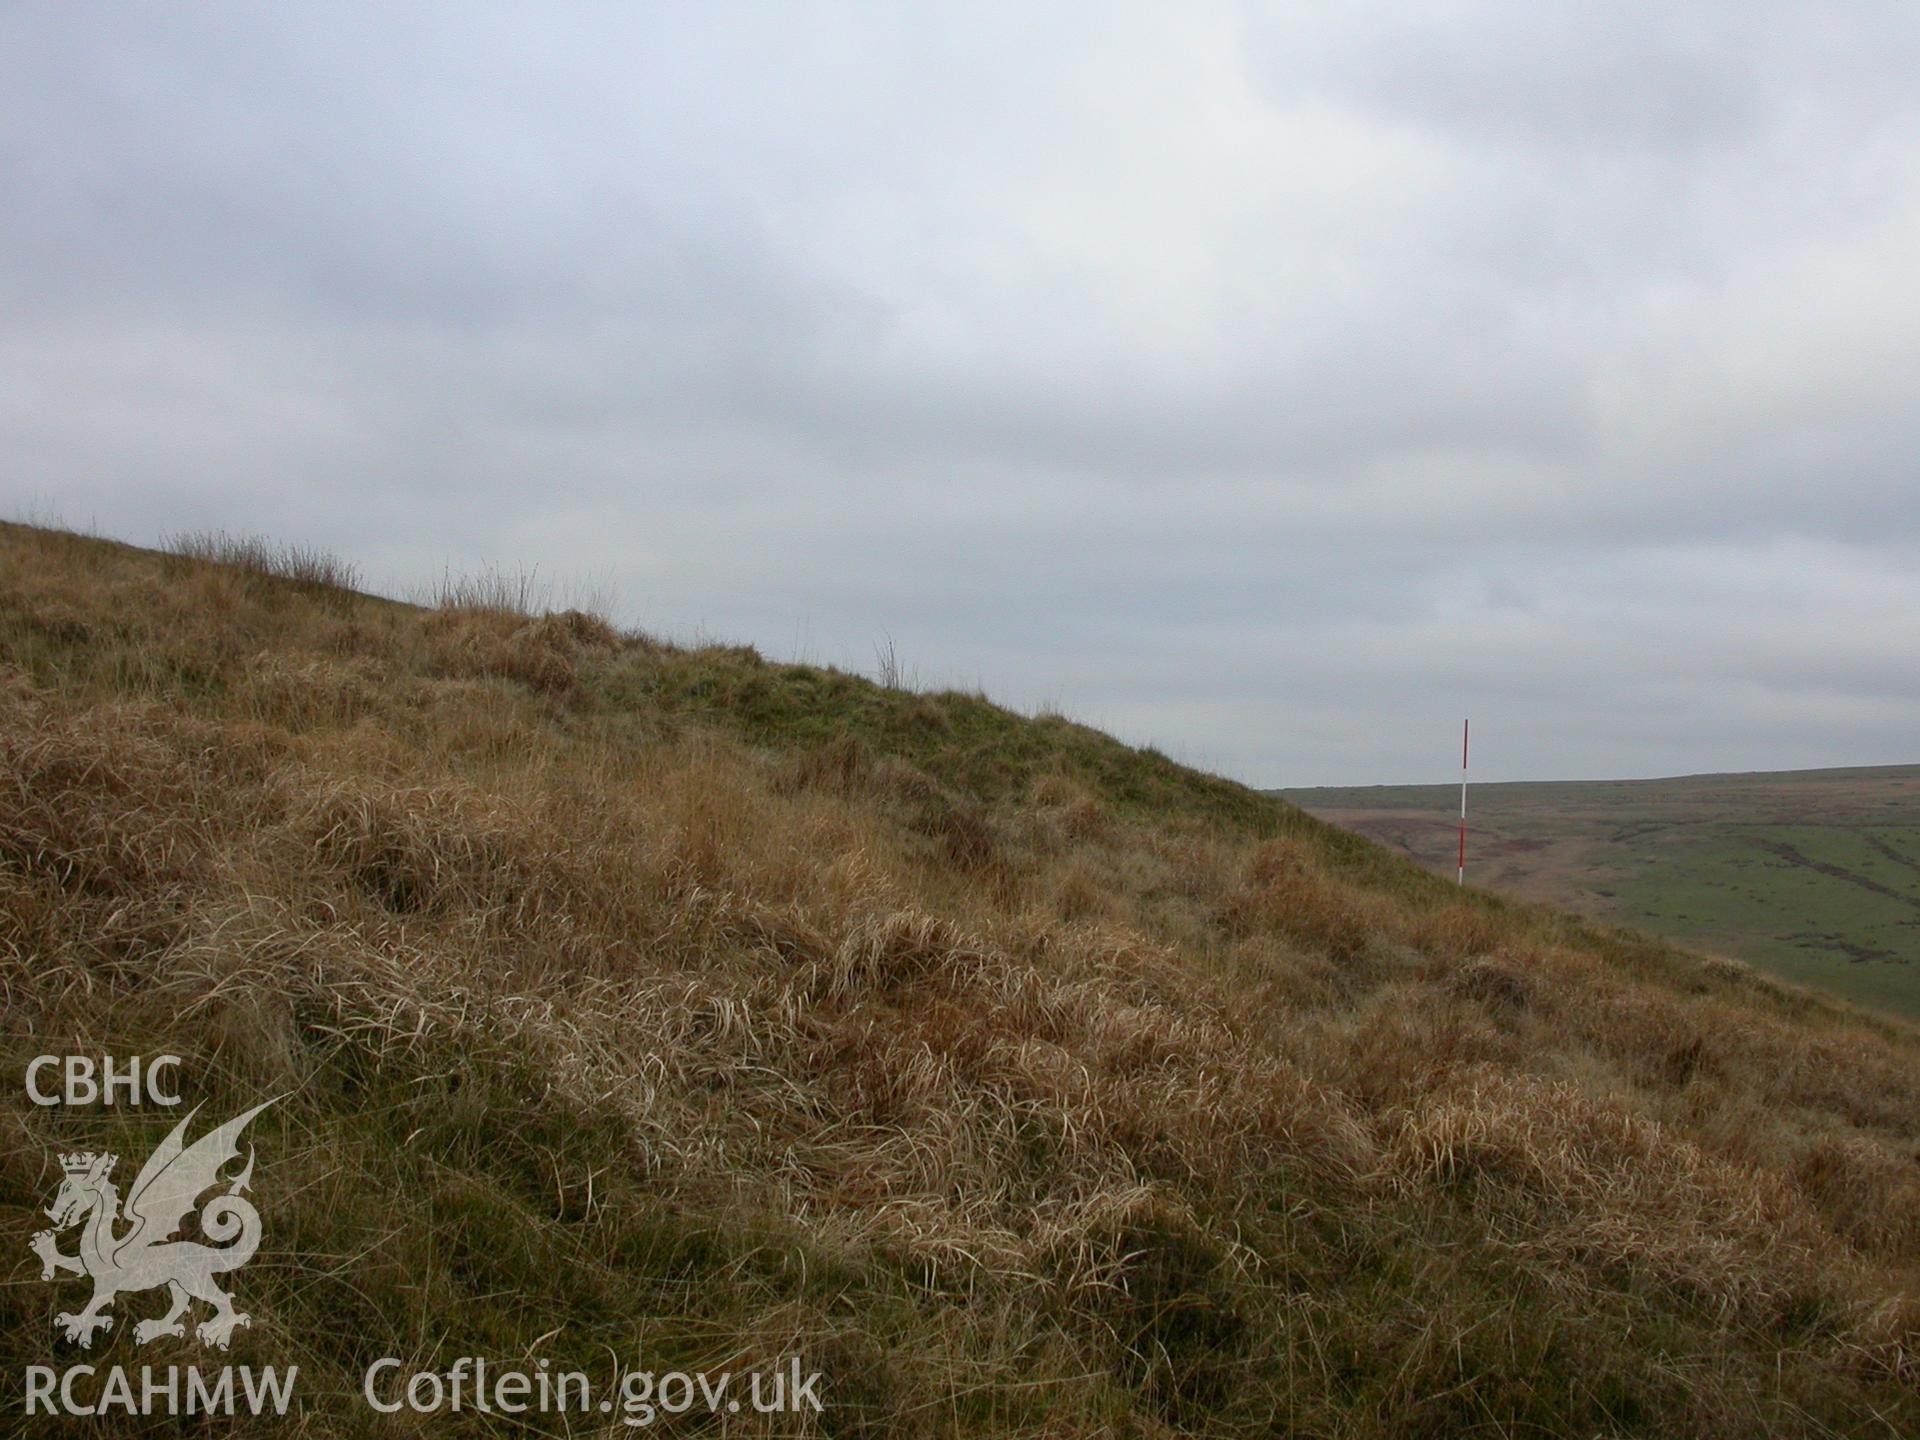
{"x": 1276, "y": 384}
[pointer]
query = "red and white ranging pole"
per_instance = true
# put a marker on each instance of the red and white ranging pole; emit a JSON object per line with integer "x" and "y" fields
{"x": 1461, "y": 878}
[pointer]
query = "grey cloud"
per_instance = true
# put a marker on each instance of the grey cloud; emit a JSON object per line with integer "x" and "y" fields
{"x": 1275, "y": 383}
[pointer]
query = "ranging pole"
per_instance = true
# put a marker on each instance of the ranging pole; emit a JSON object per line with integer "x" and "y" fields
{"x": 1461, "y": 878}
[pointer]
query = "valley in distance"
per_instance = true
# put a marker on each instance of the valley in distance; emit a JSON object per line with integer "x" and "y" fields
{"x": 1813, "y": 875}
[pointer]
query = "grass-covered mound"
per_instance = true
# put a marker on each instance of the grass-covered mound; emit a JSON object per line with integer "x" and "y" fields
{"x": 639, "y": 1001}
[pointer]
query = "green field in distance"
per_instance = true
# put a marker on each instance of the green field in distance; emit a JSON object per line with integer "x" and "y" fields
{"x": 1812, "y": 874}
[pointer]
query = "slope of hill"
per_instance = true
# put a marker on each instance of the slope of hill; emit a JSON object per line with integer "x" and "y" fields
{"x": 673, "y": 1007}
{"x": 1814, "y": 874}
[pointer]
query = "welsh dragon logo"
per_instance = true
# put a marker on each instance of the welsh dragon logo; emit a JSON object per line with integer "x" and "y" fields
{"x": 144, "y": 1255}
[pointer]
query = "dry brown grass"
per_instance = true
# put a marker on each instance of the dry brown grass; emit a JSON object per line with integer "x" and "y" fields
{"x": 305, "y": 566}
{"x": 1083, "y": 1121}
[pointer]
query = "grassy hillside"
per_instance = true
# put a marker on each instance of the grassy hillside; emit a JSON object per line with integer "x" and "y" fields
{"x": 641, "y": 1002}
{"x": 1813, "y": 874}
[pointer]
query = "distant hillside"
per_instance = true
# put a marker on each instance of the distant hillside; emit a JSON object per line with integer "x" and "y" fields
{"x": 1814, "y": 874}
{"x": 625, "y": 1004}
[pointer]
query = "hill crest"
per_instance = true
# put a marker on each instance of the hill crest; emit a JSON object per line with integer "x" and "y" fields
{"x": 654, "y": 1000}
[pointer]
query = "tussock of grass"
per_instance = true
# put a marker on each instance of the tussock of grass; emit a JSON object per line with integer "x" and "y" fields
{"x": 675, "y": 1003}
{"x": 305, "y": 566}
{"x": 492, "y": 589}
